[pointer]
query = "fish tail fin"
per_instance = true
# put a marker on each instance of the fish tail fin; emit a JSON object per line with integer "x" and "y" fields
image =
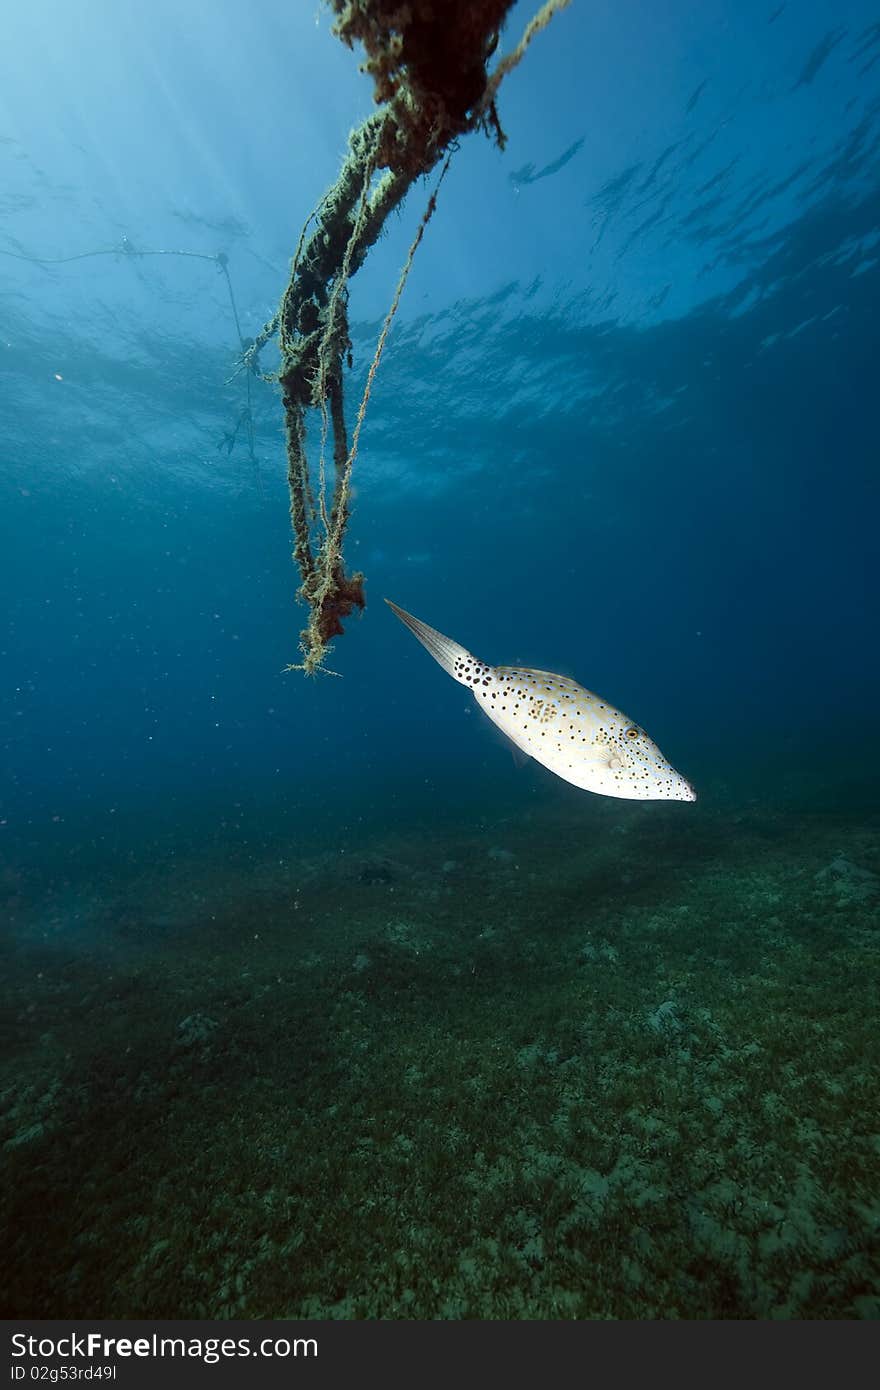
{"x": 454, "y": 659}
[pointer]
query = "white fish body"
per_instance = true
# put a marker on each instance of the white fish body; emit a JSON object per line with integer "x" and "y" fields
{"x": 557, "y": 722}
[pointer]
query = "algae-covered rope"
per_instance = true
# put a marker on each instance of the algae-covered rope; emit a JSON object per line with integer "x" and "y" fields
{"x": 430, "y": 67}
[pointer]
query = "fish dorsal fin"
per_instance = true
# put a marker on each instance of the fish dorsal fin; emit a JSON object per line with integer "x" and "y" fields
{"x": 545, "y": 676}
{"x": 528, "y": 671}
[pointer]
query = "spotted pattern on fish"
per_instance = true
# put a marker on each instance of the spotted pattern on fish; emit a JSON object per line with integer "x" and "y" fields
{"x": 571, "y": 731}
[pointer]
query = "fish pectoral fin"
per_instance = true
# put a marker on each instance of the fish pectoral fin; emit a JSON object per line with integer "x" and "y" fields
{"x": 519, "y": 755}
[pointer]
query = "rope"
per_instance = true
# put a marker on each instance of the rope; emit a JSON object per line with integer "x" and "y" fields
{"x": 534, "y": 26}
{"x": 428, "y": 63}
{"x": 345, "y": 486}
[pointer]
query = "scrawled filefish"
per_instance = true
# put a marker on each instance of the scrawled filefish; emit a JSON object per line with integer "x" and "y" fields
{"x": 576, "y": 734}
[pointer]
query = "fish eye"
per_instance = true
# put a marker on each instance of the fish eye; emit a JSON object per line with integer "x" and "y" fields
{"x": 632, "y": 731}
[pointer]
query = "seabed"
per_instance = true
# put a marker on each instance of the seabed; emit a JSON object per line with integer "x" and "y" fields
{"x": 547, "y": 1066}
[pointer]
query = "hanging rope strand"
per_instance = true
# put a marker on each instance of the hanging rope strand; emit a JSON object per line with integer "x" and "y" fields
{"x": 344, "y": 485}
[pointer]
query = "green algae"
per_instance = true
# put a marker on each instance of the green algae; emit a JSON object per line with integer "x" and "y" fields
{"x": 556, "y": 1067}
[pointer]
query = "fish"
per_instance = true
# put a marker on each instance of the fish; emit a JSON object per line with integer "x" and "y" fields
{"x": 577, "y": 735}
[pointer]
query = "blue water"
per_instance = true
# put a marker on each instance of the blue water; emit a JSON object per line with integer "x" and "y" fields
{"x": 625, "y": 429}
